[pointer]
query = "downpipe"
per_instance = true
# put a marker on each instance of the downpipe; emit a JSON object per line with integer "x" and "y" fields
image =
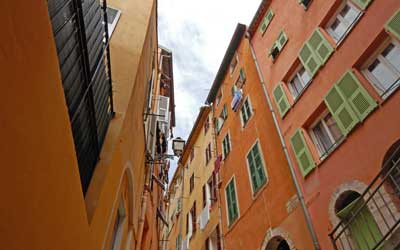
{"x": 285, "y": 150}
{"x": 141, "y": 219}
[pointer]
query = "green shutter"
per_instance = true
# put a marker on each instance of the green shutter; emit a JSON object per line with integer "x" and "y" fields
{"x": 281, "y": 100}
{"x": 341, "y": 111}
{"x": 266, "y": 21}
{"x": 252, "y": 169}
{"x": 259, "y": 165}
{"x": 363, "y": 4}
{"x": 310, "y": 62}
{"x": 357, "y": 97}
{"x": 225, "y": 112}
{"x": 232, "y": 203}
{"x": 393, "y": 25}
{"x": 242, "y": 75}
{"x": 282, "y": 40}
{"x": 320, "y": 46}
{"x": 302, "y": 153}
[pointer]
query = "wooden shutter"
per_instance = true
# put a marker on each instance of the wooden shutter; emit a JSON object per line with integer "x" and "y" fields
{"x": 231, "y": 199}
{"x": 252, "y": 168}
{"x": 356, "y": 96}
{"x": 363, "y": 4}
{"x": 302, "y": 153}
{"x": 163, "y": 109}
{"x": 282, "y": 40}
{"x": 242, "y": 76}
{"x": 259, "y": 164}
{"x": 266, "y": 21}
{"x": 309, "y": 60}
{"x": 393, "y": 25}
{"x": 204, "y": 196}
{"x": 281, "y": 100}
{"x": 320, "y": 46}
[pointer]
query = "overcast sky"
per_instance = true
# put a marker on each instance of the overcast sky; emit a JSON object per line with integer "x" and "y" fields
{"x": 198, "y": 33}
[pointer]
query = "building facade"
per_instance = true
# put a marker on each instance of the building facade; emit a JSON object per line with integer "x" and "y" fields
{"x": 76, "y": 130}
{"x": 260, "y": 208}
{"x": 194, "y": 210}
{"x": 332, "y": 71}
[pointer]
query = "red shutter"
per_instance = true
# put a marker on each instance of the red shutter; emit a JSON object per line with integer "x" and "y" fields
{"x": 204, "y": 196}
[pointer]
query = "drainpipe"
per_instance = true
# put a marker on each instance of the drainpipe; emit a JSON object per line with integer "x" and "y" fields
{"x": 285, "y": 150}
{"x": 181, "y": 200}
{"x": 141, "y": 219}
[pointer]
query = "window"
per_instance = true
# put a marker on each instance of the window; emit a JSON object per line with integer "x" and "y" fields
{"x": 178, "y": 242}
{"x": 344, "y": 21}
{"x": 219, "y": 97}
{"x": 193, "y": 217}
{"x": 208, "y": 153}
{"x": 242, "y": 78}
{"x": 112, "y": 19}
{"x": 118, "y": 226}
{"x": 231, "y": 200}
{"x": 233, "y": 90}
{"x": 302, "y": 153}
{"x": 245, "y": 112}
{"x": 206, "y": 125}
{"x": 326, "y": 135}
{"x": 221, "y": 118}
{"x": 212, "y": 185}
{"x": 256, "y": 167}
{"x": 305, "y": 3}
{"x": 299, "y": 82}
{"x": 233, "y": 64}
{"x": 191, "y": 183}
{"x": 384, "y": 70}
{"x": 226, "y": 145}
{"x": 281, "y": 100}
{"x": 191, "y": 154}
{"x": 266, "y": 21}
{"x": 278, "y": 45}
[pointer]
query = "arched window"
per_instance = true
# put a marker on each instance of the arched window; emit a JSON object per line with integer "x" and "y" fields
{"x": 277, "y": 243}
{"x": 391, "y": 164}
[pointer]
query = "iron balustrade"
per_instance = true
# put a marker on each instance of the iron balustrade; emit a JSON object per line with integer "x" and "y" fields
{"x": 81, "y": 38}
{"x": 381, "y": 204}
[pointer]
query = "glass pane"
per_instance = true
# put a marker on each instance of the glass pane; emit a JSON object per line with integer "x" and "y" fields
{"x": 333, "y": 128}
{"x": 295, "y": 86}
{"x": 349, "y": 13}
{"x": 304, "y": 76}
{"x": 383, "y": 75}
{"x": 111, "y": 14}
{"x": 322, "y": 137}
{"x": 392, "y": 54}
{"x": 339, "y": 28}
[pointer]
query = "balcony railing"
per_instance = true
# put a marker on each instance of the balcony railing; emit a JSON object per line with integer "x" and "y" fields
{"x": 372, "y": 221}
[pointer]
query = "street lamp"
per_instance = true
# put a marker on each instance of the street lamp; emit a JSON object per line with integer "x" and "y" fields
{"x": 177, "y": 146}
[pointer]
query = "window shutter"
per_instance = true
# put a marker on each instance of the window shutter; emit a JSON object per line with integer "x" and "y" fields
{"x": 282, "y": 40}
{"x": 163, "y": 104}
{"x": 225, "y": 112}
{"x": 393, "y": 25}
{"x": 233, "y": 200}
{"x": 345, "y": 117}
{"x": 302, "y": 153}
{"x": 320, "y": 46}
{"x": 259, "y": 165}
{"x": 252, "y": 169}
{"x": 266, "y": 21}
{"x": 242, "y": 75}
{"x": 363, "y": 4}
{"x": 356, "y": 95}
{"x": 229, "y": 205}
{"x": 281, "y": 100}
{"x": 309, "y": 60}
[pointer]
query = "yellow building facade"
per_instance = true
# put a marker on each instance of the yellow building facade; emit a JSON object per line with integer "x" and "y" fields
{"x": 56, "y": 200}
{"x": 194, "y": 208}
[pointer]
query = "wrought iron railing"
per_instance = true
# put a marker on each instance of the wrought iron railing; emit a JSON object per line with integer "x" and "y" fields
{"x": 375, "y": 219}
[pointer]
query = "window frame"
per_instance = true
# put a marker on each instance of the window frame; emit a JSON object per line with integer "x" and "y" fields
{"x": 297, "y": 74}
{"x": 335, "y": 144}
{"x": 331, "y": 32}
{"x": 111, "y": 27}
{"x": 233, "y": 64}
{"x": 249, "y": 116}
{"x": 224, "y": 156}
{"x": 229, "y": 223}
{"x": 264, "y": 166}
{"x": 377, "y": 54}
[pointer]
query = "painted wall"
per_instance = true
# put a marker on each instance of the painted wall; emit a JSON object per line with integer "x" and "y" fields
{"x": 266, "y": 210}
{"x": 46, "y": 209}
{"x": 360, "y": 156}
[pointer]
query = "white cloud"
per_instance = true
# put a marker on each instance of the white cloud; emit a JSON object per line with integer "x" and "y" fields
{"x": 198, "y": 33}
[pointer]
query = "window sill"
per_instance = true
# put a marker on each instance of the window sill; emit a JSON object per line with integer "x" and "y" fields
{"x": 390, "y": 91}
{"x": 296, "y": 100}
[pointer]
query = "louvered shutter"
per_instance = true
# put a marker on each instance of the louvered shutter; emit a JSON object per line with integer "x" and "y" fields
{"x": 309, "y": 60}
{"x": 163, "y": 106}
{"x": 363, "y": 4}
{"x": 344, "y": 115}
{"x": 252, "y": 171}
{"x": 266, "y": 21}
{"x": 320, "y": 46}
{"x": 233, "y": 200}
{"x": 302, "y": 153}
{"x": 393, "y": 25}
{"x": 281, "y": 100}
{"x": 282, "y": 40}
{"x": 356, "y": 95}
{"x": 242, "y": 75}
{"x": 259, "y": 165}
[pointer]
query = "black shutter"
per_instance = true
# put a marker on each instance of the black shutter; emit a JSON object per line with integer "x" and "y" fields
{"x": 83, "y": 56}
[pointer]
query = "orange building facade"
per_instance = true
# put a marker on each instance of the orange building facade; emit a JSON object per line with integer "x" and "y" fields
{"x": 79, "y": 156}
{"x": 259, "y": 205}
{"x": 331, "y": 69}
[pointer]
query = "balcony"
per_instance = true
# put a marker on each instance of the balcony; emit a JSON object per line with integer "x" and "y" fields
{"x": 370, "y": 220}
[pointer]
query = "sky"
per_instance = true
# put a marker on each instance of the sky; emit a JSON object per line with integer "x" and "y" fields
{"x": 198, "y": 34}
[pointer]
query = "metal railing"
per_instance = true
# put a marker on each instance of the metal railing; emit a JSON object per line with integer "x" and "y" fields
{"x": 375, "y": 218}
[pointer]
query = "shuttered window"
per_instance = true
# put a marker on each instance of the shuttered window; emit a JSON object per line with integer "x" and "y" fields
{"x": 302, "y": 153}
{"x": 363, "y": 4}
{"x": 281, "y": 100}
{"x": 256, "y": 168}
{"x": 232, "y": 205}
{"x": 278, "y": 45}
{"x": 242, "y": 78}
{"x": 266, "y": 21}
{"x": 393, "y": 25}
{"x": 245, "y": 112}
{"x": 226, "y": 146}
{"x": 349, "y": 102}
{"x": 315, "y": 52}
